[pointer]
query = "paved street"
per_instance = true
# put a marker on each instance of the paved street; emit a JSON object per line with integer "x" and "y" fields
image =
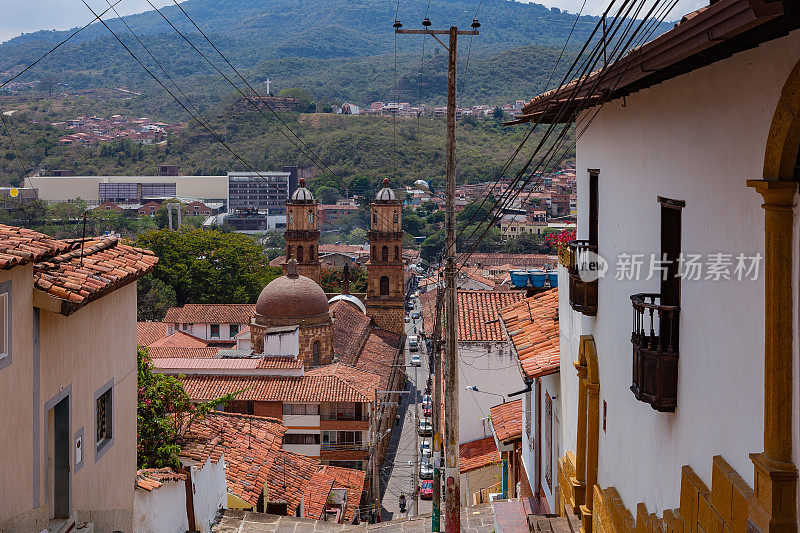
{"x": 397, "y": 472}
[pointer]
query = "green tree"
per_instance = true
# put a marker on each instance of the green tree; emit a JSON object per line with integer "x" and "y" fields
{"x": 431, "y": 247}
{"x": 209, "y": 266}
{"x": 327, "y": 195}
{"x": 154, "y": 297}
{"x": 497, "y": 113}
{"x": 163, "y": 411}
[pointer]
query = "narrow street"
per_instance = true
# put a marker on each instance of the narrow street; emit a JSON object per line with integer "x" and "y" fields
{"x": 397, "y": 474}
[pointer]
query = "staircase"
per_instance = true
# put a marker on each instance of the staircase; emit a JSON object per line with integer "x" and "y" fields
{"x": 570, "y": 523}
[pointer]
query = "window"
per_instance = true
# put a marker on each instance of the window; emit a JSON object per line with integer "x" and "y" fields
{"x": 291, "y": 217}
{"x": 385, "y": 254}
{"x": 5, "y": 324}
{"x": 104, "y": 420}
{"x": 384, "y": 286}
{"x": 300, "y": 409}
{"x": 299, "y": 254}
{"x": 301, "y": 438}
{"x": 397, "y": 253}
{"x": 394, "y": 218}
{"x": 215, "y": 331}
{"x": 315, "y": 353}
{"x": 593, "y": 175}
{"x": 234, "y": 330}
{"x": 374, "y": 217}
{"x": 374, "y": 253}
{"x": 342, "y": 438}
{"x": 311, "y": 253}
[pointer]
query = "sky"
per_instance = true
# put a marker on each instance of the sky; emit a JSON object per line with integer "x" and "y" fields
{"x": 24, "y": 16}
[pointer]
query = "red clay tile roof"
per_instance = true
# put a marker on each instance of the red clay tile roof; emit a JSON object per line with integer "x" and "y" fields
{"x": 507, "y": 421}
{"x": 179, "y": 339}
{"x": 350, "y": 329}
{"x": 532, "y": 327}
{"x": 88, "y": 271}
{"x": 187, "y": 364}
{"x": 152, "y": 478}
{"x": 180, "y": 352}
{"x": 478, "y": 313}
{"x": 249, "y": 443}
{"x": 518, "y": 260}
{"x": 275, "y": 388}
{"x": 210, "y": 314}
{"x": 328, "y": 478}
{"x": 19, "y": 246}
{"x": 366, "y": 382}
{"x": 294, "y": 476}
{"x": 381, "y": 350}
{"x": 149, "y": 332}
{"x": 477, "y": 454}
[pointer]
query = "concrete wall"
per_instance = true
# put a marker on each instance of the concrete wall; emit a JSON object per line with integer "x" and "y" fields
{"x": 695, "y": 138}
{"x": 161, "y": 511}
{"x": 20, "y": 482}
{"x": 491, "y": 367}
{"x": 210, "y": 492}
{"x": 550, "y": 385}
{"x": 84, "y": 351}
{"x": 476, "y": 480}
{"x": 61, "y": 189}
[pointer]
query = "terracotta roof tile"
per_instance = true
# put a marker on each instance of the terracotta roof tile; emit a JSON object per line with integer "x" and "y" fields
{"x": 181, "y": 352}
{"x": 532, "y": 327}
{"x": 249, "y": 443}
{"x": 366, "y": 382}
{"x": 210, "y": 314}
{"x": 350, "y": 329}
{"x": 275, "y": 388}
{"x": 149, "y": 332}
{"x": 179, "y": 339}
{"x": 477, "y": 454}
{"x": 152, "y": 478}
{"x": 478, "y": 313}
{"x": 507, "y": 421}
{"x": 518, "y": 260}
{"x": 91, "y": 269}
{"x": 294, "y": 477}
{"x": 187, "y": 364}
{"x": 19, "y": 246}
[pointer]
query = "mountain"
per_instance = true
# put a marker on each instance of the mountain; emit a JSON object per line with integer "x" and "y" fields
{"x": 340, "y": 50}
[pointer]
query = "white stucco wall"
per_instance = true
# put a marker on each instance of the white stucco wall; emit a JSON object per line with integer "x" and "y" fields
{"x": 570, "y": 330}
{"x": 210, "y": 492}
{"x": 492, "y": 368}
{"x": 695, "y": 138}
{"x": 551, "y": 385}
{"x": 161, "y": 511}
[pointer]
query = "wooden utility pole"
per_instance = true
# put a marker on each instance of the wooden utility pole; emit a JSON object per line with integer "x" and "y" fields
{"x": 436, "y": 362}
{"x": 451, "y": 471}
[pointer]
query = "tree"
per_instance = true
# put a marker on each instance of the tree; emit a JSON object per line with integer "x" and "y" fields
{"x": 209, "y": 266}
{"x": 327, "y": 195}
{"x": 163, "y": 411}
{"x": 431, "y": 247}
{"x": 154, "y": 297}
{"x": 497, "y": 113}
{"x": 527, "y": 243}
{"x": 47, "y": 84}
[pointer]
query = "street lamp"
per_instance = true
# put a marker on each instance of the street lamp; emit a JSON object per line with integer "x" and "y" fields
{"x": 474, "y": 388}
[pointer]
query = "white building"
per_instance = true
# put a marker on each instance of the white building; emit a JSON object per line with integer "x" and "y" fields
{"x": 688, "y": 417}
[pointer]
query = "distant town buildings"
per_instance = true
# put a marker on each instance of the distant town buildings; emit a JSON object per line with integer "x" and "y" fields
{"x": 92, "y": 130}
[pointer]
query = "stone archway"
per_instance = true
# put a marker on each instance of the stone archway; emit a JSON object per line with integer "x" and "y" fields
{"x": 774, "y": 507}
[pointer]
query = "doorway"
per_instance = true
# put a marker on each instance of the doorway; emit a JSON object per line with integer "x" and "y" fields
{"x": 61, "y": 450}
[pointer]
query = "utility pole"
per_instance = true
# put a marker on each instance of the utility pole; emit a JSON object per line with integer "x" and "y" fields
{"x": 451, "y": 433}
{"x": 436, "y": 411}
{"x": 415, "y": 476}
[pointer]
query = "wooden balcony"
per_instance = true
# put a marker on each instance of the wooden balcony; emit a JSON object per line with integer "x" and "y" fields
{"x": 655, "y": 352}
{"x": 582, "y": 294}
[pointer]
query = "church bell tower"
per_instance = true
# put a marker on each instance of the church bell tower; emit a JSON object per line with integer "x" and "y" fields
{"x": 302, "y": 233}
{"x": 385, "y": 270}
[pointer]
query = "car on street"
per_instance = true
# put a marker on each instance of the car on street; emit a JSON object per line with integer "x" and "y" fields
{"x": 426, "y": 490}
{"x": 426, "y": 401}
{"x": 415, "y": 315}
{"x": 413, "y": 343}
{"x": 425, "y": 469}
{"x": 425, "y": 428}
{"x": 427, "y": 410}
{"x": 415, "y": 361}
{"x": 408, "y": 319}
{"x": 425, "y": 449}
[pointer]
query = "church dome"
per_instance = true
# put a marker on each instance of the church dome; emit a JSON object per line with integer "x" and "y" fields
{"x": 302, "y": 194}
{"x": 386, "y": 194}
{"x": 291, "y": 298}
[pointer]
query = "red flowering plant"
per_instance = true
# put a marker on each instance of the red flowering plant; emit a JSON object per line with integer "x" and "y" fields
{"x": 163, "y": 410}
{"x": 560, "y": 241}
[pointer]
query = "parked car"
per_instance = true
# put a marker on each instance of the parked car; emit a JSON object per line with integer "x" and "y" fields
{"x": 426, "y": 490}
{"x": 415, "y": 315}
{"x": 413, "y": 343}
{"x": 408, "y": 319}
{"x": 425, "y": 449}
{"x": 425, "y": 469}
{"x": 426, "y": 401}
{"x": 415, "y": 361}
{"x": 425, "y": 428}
{"x": 427, "y": 410}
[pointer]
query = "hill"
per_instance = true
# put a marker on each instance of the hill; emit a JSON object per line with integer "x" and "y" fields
{"x": 342, "y": 50}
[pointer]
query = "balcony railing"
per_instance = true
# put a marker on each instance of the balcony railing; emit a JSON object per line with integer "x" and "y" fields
{"x": 364, "y": 417}
{"x": 582, "y": 292}
{"x": 344, "y": 447}
{"x": 655, "y": 351}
